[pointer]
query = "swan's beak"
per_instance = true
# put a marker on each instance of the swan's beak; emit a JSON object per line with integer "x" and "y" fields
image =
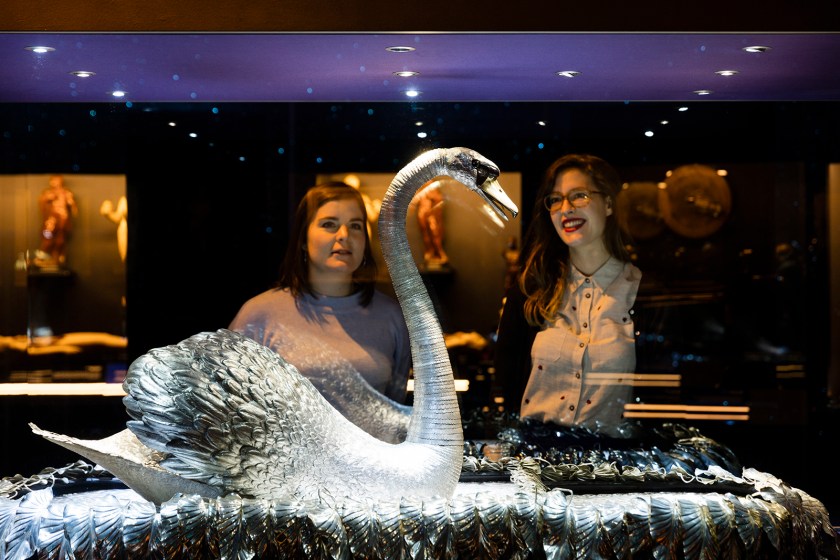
{"x": 492, "y": 193}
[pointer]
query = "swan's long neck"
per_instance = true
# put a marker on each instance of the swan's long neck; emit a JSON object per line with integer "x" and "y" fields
{"x": 435, "y": 417}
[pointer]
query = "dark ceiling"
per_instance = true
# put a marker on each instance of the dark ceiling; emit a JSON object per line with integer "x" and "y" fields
{"x": 338, "y": 67}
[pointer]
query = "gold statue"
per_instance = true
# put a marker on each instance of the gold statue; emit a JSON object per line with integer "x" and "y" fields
{"x": 58, "y": 207}
{"x": 430, "y": 218}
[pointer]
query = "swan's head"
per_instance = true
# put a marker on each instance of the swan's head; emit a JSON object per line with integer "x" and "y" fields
{"x": 480, "y": 175}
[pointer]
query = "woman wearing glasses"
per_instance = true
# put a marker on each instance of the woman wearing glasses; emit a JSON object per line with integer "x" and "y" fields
{"x": 566, "y": 342}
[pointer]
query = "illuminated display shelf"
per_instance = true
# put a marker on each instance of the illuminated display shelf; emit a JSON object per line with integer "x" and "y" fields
{"x": 60, "y": 389}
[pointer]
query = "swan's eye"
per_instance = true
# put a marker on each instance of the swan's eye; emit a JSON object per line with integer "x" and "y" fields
{"x": 481, "y": 172}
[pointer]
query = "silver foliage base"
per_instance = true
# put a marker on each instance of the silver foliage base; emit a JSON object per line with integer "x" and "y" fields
{"x": 493, "y": 520}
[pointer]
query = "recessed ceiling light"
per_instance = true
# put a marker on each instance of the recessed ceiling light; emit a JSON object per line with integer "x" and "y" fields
{"x": 682, "y": 109}
{"x": 399, "y": 49}
{"x": 412, "y": 93}
{"x": 83, "y": 74}
{"x": 703, "y": 91}
{"x": 568, "y": 73}
{"x": 542, "y": 123}
{"x": 756, "y": 49}
{"x": 118, "y": 93}
{"x": 726, "y": 72}
{"x": 40, "y": 49}
{"x": 406, "y": 73}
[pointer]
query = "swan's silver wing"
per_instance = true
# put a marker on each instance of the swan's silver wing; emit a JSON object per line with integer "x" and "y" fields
{"x": 336, "y": 379}
{"x": 230, "y": 413}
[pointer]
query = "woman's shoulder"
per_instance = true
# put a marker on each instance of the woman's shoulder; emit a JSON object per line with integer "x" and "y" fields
{"x": 272, "y": 296}
{"x": 632, "y": 272}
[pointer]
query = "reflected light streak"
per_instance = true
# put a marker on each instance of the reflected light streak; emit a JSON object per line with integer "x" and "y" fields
{"x": 49, "y": 389}
{"x": 461, "y": 385}
{"x": 687, "y": 416}
{"x": 687, "y": 412}
{"x": 636, "y": 379}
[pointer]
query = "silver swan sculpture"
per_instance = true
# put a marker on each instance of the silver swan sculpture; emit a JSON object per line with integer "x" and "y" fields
{"x": 220, "y": 413}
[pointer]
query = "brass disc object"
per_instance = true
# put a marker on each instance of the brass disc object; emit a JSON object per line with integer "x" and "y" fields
{"x": 695, "y": 201}
{"x": 638, "y": 210}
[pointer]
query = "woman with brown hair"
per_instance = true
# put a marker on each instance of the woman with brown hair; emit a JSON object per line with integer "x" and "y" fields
{"x": 326, "y": 315}
{"x": 566, "y": 341}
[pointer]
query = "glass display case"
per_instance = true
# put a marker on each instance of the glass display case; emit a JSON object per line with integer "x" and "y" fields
{"x": 733, "y": 315}
{"x": 63, "y": 267}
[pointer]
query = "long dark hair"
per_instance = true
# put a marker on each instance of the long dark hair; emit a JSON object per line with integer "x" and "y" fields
{"x": 545, "y": 256}
{"x": 294, "y": 270}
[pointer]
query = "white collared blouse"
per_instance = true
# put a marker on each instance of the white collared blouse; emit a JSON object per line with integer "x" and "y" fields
{"x": 581, "y": 361}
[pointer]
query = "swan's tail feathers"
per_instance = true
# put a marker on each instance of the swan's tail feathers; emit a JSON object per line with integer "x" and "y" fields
{"x": 134, "y": 464}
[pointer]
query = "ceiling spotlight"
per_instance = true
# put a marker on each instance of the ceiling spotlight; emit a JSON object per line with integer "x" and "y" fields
{"x": 703, "y": 91}
{"x": 399, "y": 49}
{"x": 83, "y": 74}
{"x": 412, "y": 93}
{"x": 406, "y": 73}
{"x": 118, "y": 93}
{"x": 542, "y": 123}
{"x": 567, "y": 73}
{"x": 682, "y": 109}
{"x": 756, "y": 49}
{"x": 726, "y": 72}
{"x": 40, "y": 49}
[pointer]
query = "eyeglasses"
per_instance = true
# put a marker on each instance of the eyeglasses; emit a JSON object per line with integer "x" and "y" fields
{"x": 578, "y": 198}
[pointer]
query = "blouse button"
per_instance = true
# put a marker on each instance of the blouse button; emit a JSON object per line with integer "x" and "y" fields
{"x": 585, "y": 325}
{"x": 581, "y": 345}
{"x": 588, "y": 401}
{"x": 562, "y": 397}
{"x": 539, "y": 367}
{"x": 577, "y": 374}
{"x": 588, "y": 296}
{"x": 571, "y": 407}
{"x": 527, "y": 401}
{"x": 587, "y": 280}
{"x": 574, "y": 308}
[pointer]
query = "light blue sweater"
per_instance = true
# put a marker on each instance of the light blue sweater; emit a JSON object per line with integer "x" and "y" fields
{"x": 319, "y": 335}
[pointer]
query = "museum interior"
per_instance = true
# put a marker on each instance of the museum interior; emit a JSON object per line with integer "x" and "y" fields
{"x": 730, "y": 206}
